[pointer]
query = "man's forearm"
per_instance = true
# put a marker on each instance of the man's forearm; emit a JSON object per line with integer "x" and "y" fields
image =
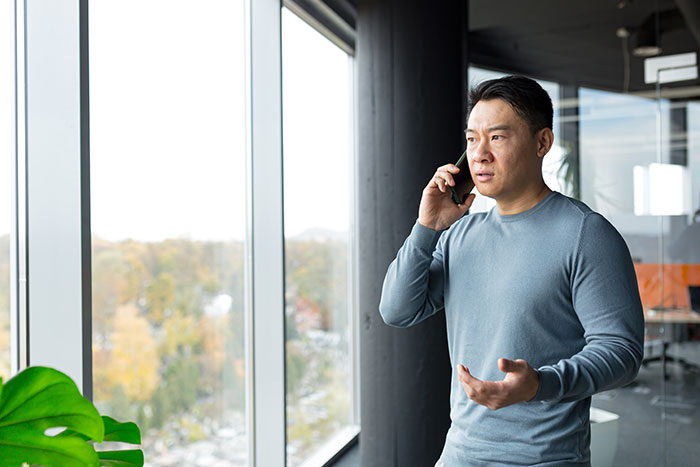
{"x": 601, "y": 365}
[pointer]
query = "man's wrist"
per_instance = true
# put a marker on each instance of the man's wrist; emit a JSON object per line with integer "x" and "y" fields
{"x": 536, "y": 385}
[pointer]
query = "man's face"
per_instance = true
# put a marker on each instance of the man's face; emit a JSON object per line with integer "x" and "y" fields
{"x": 502, "y": 151}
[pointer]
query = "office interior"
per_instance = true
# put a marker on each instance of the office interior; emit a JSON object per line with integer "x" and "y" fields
{"x": 201, "y": 200}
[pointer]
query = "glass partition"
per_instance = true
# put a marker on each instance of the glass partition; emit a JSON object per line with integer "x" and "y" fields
{"x": 318, "y": 194}
{"x": 639, "y": 168}
{"x": 168, "y": 145}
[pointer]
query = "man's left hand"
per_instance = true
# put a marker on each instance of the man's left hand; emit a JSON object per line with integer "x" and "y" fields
{"x": 519, "y": 385}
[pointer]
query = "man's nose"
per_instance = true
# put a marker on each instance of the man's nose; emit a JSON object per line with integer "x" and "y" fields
{"x": 482, "y": 152}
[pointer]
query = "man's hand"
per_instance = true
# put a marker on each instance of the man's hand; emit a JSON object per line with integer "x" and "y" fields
{"x": 520, "y": 385}
{"x": 437, "y": 211}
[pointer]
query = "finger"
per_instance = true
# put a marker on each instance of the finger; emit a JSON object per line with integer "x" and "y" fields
{"x": 439, "y": 182}
{"x": 467, "y": 381}
{"x": 466, "y": 377}
{"x": 467, "y": 201}
{"x": 449, "y": 168}
{"x": 446, "y": 176}
{"x": 510, "y": 366}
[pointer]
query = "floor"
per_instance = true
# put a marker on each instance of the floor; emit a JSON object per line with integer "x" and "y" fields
{"x": 659, "y": 419}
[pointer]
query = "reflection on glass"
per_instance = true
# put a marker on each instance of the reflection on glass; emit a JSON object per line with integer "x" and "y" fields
{"x": 317, "y": 191}
{"x": 618, "y": 132}
{"x": 7, "y": 104}
{"x": 168, "y": 221}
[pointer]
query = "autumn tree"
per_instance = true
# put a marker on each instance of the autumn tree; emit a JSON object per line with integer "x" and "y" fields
{"x": 133, "y": 360}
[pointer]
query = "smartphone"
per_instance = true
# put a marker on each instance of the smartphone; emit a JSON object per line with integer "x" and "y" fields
{"x": 463, "y": 180}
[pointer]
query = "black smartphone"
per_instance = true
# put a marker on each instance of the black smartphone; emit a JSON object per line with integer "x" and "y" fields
{"x": 463, "y": 180}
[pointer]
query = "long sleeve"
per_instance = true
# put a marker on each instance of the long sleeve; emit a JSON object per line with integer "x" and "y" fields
{"x": 606, "y": 300}
{"x": 414, "y": 283}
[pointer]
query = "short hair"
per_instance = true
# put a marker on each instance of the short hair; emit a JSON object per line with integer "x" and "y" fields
{"x": 525, "y": 95}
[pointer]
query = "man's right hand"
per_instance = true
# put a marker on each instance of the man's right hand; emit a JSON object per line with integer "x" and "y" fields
{"x": 437, "y": 211}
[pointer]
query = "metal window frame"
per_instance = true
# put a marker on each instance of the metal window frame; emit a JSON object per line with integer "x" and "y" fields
{"x": 328, "y": 22}
{"x": 266, "y": 349}
{"x": 347, "y": 437}
{"x": 51, "y": 158}
{"x": 17, "y": 277}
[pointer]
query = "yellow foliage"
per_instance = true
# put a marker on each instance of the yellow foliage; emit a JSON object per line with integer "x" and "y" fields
{"x": 214, "y": 342}
{"x": 161, "y": 296}
{"x": 100, "y": 373}
{"x": 180, "y": 331}
{"x": 4, "y": 345}
{"x": 133, "y": 361}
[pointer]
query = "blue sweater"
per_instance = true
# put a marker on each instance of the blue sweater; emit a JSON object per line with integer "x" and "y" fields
{"x": 553, "y": 285}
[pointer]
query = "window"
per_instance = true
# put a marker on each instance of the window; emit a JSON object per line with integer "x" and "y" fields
{"x": 168, "y": 146}
{"x": 618, "y": 132}
{"x": 318, "y": 194}
{"x": 7, "y": 135}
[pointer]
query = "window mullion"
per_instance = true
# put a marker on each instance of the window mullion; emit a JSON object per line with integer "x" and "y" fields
{"x": 53, "y": 184}
{"x": 268, "y": 404}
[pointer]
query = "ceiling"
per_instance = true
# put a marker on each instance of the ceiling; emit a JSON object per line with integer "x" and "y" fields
{"x": 576, "y": 42}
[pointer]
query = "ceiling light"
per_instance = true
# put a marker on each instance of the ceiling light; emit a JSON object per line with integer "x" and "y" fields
{"x": 646, "y": 50}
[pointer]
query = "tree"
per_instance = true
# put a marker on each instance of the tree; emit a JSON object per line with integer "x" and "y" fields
{"x": 133, "y": 361}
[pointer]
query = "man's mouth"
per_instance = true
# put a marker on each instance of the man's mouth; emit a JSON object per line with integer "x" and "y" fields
{"x": 484, "y": 176}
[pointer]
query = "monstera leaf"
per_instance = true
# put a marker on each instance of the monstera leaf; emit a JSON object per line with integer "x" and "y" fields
{"x": 40, "y": 398}
{"x": 120, "y": 432}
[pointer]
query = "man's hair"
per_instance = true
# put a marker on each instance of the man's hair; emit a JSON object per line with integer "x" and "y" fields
{"x": 525, "y": 95}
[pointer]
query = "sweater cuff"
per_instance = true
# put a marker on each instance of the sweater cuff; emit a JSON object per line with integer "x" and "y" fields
{"x": 550, "y": 385}
{"x": 424, "y": 237}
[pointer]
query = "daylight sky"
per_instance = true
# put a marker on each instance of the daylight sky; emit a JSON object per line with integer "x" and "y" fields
{"x": 168, "y": 121}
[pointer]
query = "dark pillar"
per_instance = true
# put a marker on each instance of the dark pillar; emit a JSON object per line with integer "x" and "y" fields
{"x": 411, "y": 70}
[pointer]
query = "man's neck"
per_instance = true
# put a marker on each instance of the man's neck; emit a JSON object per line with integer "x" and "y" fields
{"x": 523, "y": 202}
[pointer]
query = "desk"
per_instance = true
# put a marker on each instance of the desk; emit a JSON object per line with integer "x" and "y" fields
{"x": 671, "y": 315}
{"x": 674, "y": 317}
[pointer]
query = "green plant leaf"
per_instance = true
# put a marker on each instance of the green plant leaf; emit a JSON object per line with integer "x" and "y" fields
{"x": 39, "y": 398}
{"x": 127, "y": 432}
{"x": 127, "y": 458}
{"x": 117, "y": 432}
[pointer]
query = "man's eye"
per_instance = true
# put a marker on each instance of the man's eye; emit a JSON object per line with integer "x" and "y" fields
{"x": 497, "y": 137}
{"x": 470, "y": 139}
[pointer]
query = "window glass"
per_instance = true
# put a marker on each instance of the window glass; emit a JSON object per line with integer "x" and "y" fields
{"x": 7, "y": 135}
{"x": 168, "y": 145}
{"x": 619, "y": 131}
{"x": 318, "y": 207}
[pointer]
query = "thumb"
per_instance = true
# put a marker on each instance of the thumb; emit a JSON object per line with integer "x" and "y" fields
{"x": 467, "y": 201}
{"x": 510, "y": 366}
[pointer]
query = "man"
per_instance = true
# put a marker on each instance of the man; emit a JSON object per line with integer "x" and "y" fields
{"x": 540, "y": 288}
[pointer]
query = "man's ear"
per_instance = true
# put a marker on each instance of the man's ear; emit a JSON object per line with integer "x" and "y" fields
{"x": 545, "y": 139}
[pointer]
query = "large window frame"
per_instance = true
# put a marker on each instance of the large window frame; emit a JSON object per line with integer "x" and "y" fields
{"x": 51, "y": 262}
{"x": 325, "y": 452}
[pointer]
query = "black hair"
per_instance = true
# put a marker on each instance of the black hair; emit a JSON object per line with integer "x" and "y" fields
{"x": 525, "y": 95}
